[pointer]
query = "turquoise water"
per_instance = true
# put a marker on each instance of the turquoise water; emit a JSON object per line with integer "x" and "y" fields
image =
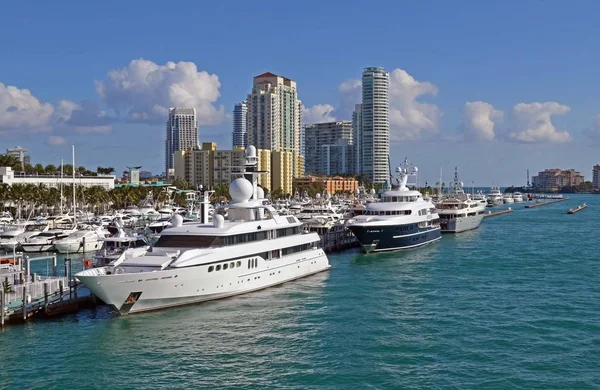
{"x": 514, "y": 304}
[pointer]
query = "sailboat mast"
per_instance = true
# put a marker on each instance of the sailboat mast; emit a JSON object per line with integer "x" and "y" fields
{"x": 74, "y": 207}
{"x": 61, "y": 185}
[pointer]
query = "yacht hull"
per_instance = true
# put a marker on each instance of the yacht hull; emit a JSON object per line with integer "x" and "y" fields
{"x": 73, "y": 247}
{"x": 139, "y": 292}
{"x": 461, "y": 224}
{"x": 394, "y": 237}
{"x": 28, "y": 248}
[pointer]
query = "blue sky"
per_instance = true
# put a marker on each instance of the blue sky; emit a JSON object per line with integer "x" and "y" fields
{"x": 528, "y": 68}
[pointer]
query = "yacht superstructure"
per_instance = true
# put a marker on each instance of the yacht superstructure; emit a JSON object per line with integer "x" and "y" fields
{"x": 194, "y": 262}
{"x": 401, "y": 220}
{"x": 458, "y": 212}
{"x": 495, "y": 198}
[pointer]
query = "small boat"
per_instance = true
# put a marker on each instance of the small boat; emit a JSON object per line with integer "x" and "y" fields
{"x": 577, "y": 209}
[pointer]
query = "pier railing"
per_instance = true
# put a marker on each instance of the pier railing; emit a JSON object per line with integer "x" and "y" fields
{"x": 36, "y": 290}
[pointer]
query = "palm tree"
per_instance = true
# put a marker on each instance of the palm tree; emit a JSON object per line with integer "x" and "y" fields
{"x": 10, "y": 161}
{"x": 50, "y": 169}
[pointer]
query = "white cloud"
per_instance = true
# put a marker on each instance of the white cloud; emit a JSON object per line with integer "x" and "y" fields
{"x": 479, "y": 120}
{"x": 533, "y": 122}
{"x": 55, "y": 140}
{"x": 144, "y": 91}
{"x": 20, "y": 110}
{"x": 593, "y": 132}
{"x": 85, "y": 118}
{"x": 318, "y": 113}
{"x": 351, "y": 95}
{"x": 409, "y": 118}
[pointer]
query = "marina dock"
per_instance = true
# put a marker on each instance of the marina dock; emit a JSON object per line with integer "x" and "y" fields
{"x": 25, "y": 295}
{"x": 496, "y": 213}
{"x": 540, "y": 204}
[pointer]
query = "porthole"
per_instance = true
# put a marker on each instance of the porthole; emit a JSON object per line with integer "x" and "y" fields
{"x": 238, "y": 264}
{"x": 211, "y": 268}
{"x": 231, "y": 265}
{"x": 219, "y": 267}
{"x": 225, "y": 266}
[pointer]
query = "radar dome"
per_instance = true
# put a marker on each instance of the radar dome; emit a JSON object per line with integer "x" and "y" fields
{"x": 176, "y": 220}
{"x": 251, "y": 151}
{"x": 218, "y": 221}
{"x": 415, "y": 169}
{"x": 318, "y": 196}
{"x": 260, "y": 193}
{"x": 240, "y": 190}
{"x": 357, "y": 192}
{"x": 372, "y": 191}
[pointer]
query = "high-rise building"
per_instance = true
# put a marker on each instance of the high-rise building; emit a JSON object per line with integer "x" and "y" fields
{"x": 355, "y": 156}
{"x": 182, "y": 134}
{"x": 239, "y": 136}
{"x": 328, "y": 147}
{"x": 21, "y": 153}
{"x": 375, "y": 125}
{"x": 596, "y": 177}
{"x": 275, "y": 117}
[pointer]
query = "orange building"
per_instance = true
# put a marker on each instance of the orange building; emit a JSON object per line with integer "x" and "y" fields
{"x": 331, "y": 184}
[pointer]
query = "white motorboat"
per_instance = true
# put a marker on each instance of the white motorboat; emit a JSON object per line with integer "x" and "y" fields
{"x": 194, "y": 262}
{"x": 518, "y": 197}
{"x": 9, "y": 237}
{"x": 44, "y": 242}
{"x": 30, "y": 230}
{"x": 83, "y": 240}
{"x": 495, "y": 198}
{"x": 120, "y": 246}
{"x": 508, "y": 198}
{"x": 401, "y": 220}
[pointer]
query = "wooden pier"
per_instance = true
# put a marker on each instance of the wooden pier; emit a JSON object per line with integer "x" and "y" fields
{"x": 496, "y": 213}
{"x": 25, "y": 295}
{"x": 540, "y": 204}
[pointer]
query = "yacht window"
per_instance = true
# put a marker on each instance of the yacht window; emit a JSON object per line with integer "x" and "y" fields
{"x": 188, "y": 241}
{"x": 231, "y": 265}
{"x": 225, "y": 266}
{"x": 255, "y": 262}
{"x": 249, "y": 266}
{"x": 238, "y": 264}
{"x": 388, "y": 213}
{"x": 211, "y": 268}
{"x": 218, "y": 267}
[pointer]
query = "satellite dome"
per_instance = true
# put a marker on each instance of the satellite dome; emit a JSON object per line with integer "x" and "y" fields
{"x": 218, "y": 221}
{"x": 240, "y": 190}
{"x": 251, "y": 151}
{"x": 415, "y": 169}
{"x": 318, "y": 196}
{"x": 176, "y": 220}
{"x": 356, "y": 191}
{"x": 372, "y": 191}
{"x": 260, "y": 193}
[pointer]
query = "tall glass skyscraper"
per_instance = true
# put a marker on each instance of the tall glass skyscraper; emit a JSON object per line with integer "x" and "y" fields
{"x": 239, "y": 137}
{"x": 375, "y": 125}
{"x": 182, "y": 134}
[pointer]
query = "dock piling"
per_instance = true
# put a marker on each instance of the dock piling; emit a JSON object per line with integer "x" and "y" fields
{"x": 27, "y": 268}
{"x": 60, "y": 289}
{"x": 46, "y": 297}
{"x": 24, "y": 303}
{"x": 2, "y": 304}
{"x": 54, "y": 266}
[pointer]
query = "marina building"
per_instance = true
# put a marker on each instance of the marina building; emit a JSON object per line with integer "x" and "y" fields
{"x": 328, "y": 148}
{"x": 555, "y": 179}
{"x": 21, "y": 153}
{"x": 239, "y": 136}
{"x": 274, "y": 119}
{"x": 10, "y": 177}
{"x": 182, "y": 134}
{"x": 331, "y": 185}
{"x": 596, "y": 177}
{"x": 207, "y": 167}
{"x": 375, "y": 125}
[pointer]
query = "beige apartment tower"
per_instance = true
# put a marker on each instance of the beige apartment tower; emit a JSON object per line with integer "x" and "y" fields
{"x": 274, "y": 119}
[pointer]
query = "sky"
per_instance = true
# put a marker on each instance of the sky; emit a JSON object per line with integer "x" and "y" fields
{"x": 494, "y": 88}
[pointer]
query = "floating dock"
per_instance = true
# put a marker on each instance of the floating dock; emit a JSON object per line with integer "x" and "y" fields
{"x": 540, "y": 204}
{"x": 496, "y": 213}
{"x": 577, "y": 209}
{"x": 25, "y": 295}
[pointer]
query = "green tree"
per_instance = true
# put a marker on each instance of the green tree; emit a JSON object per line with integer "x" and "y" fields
{"x": 50, "y": 169}
{"x": 180, "y": 184}
{"x": 10, "y": 161}
{"x": 39, "y": 169}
